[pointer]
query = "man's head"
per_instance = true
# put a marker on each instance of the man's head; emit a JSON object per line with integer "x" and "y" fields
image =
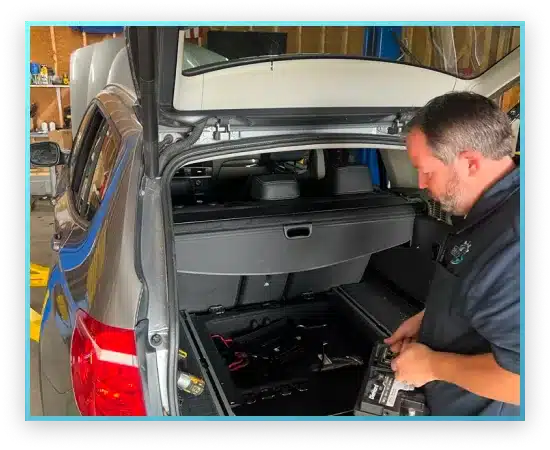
{"x": 460, "y": 143}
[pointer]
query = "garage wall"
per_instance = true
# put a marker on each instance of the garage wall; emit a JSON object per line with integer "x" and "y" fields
{"x": 477, "y": 49}
{"x": 53, "y": 46}
{"x": 491, "y": 43}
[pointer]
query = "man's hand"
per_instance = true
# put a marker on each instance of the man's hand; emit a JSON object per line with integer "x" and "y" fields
{"x": 479, "y": 374}
{"x": 407, "y": 331}
{"x": 414, "y": 365}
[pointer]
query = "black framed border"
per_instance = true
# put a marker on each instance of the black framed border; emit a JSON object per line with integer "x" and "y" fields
{"x": 299, "y": 433}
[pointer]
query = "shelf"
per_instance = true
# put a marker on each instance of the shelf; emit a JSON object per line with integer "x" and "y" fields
{"x": 58, "y": 94}
{"x": 50, "y": 85}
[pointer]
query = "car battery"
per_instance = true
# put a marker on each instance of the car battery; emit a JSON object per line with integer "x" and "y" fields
{"x": 382, "y": 395}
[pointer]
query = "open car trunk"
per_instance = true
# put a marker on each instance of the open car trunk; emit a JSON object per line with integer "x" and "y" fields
{"x": 253, "y": 267}
{"x": 282, "y": 300}
{"x": 305, "y": 356}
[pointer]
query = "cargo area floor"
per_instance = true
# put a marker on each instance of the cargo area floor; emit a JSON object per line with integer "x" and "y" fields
{"x": 305, "y": 357}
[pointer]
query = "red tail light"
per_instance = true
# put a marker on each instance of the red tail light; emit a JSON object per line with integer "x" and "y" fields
{"x": 104, "y": 368}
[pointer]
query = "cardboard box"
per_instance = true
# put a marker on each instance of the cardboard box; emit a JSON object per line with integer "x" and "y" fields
{"x": 36, "y": 138}
{"x": 63, "y": 137}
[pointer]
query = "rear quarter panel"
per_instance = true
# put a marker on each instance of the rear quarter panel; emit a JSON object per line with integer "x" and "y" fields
{"x": 95, "y": 270}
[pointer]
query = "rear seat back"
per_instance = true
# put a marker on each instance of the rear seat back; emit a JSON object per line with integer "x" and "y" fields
{"x": 199, "y": 292}
{"x": 256, "y": 289}
{"x": 320, "y": 280}
{"x": 350, "y": 180}
{"x": 342, "y": 180}
{"x": 262, "y": 288}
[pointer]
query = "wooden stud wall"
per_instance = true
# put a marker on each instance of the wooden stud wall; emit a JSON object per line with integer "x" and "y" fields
{"x": 53, "y": 46}
{"x": 476, "y": 50}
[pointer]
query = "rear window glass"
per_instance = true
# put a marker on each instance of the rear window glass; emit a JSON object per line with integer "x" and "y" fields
{"x": 463, "y": 51}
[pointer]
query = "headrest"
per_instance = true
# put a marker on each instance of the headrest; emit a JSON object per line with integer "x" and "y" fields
{"x": 351, "y": 180}
{"x": 317, "y": 164}
{"x": 288, "y": 156}
{"x": 181, "y": 186}
{"x": 274, "y": 187}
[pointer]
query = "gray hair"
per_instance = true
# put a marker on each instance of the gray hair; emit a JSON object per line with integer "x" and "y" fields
{"x": 458, "y": 121}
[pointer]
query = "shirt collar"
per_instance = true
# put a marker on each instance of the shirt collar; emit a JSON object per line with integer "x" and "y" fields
{"x": 494, "y": 196}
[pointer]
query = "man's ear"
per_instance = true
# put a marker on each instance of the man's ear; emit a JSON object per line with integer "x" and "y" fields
{"x": 471, "y": 161}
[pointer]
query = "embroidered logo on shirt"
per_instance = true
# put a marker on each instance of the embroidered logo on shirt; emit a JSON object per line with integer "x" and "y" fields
{"x": 459, "y": 251}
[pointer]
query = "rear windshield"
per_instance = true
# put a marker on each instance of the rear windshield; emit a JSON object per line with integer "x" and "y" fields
{"x": 463, "y": 51}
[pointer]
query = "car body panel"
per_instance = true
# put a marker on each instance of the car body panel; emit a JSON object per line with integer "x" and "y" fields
{"x": 113, "y": 285}
{"x": 55, "y": 335}
{"x": 95, "y": 268}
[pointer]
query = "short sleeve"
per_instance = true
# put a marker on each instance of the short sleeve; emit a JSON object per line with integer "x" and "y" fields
{"x": 493, "y": 305}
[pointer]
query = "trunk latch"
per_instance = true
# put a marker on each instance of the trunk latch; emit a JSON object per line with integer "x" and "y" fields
{"x": 216, "y": 309}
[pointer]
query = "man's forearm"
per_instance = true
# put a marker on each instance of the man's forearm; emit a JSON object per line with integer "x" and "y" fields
{"x": 479, "y": 374}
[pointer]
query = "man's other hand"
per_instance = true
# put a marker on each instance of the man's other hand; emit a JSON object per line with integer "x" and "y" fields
{"x": 407, "y": 331}
{"x": 414, "y": 365}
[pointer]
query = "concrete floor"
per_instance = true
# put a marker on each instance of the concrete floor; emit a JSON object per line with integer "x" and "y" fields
{"x": 41, "y": 232}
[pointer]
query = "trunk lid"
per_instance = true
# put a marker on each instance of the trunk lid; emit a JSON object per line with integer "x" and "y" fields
{"x": 179, "y": 84}
{"x": 196, "y": 82}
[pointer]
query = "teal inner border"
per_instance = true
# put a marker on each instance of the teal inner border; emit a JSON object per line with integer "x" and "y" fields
{"x": 28, "y": 417}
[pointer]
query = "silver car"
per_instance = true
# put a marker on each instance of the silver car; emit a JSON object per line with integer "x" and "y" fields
{"x": 224, "y": 244}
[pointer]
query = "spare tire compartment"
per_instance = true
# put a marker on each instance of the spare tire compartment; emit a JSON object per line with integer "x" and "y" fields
{"x": 267, "y": 319}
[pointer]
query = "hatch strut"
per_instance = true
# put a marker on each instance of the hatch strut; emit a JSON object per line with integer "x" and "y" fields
{"x": 147, "y": 79}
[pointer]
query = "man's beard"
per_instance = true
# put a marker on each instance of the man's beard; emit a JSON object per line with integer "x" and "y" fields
{"x": 450, "y": 200}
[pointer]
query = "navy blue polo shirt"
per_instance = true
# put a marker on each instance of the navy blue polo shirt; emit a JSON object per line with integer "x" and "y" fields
{"x": 474, "y": 302}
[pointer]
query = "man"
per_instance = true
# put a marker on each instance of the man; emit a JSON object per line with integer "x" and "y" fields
{"x": 464, "y": 348}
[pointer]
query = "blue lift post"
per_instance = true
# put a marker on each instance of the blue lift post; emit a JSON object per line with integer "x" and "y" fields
{"x": 380, "y": 42}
